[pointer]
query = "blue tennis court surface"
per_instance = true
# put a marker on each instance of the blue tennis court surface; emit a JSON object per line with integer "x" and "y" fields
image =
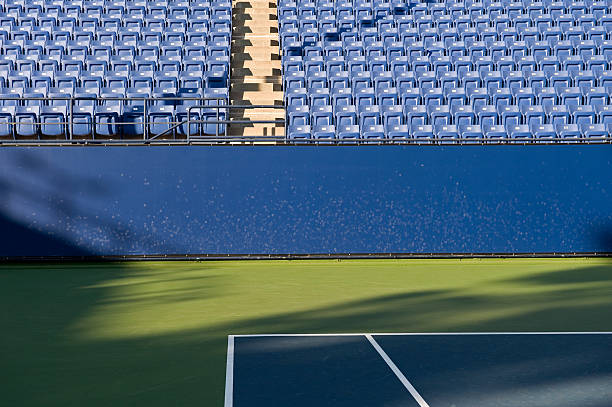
{"x": 447, "y": 370}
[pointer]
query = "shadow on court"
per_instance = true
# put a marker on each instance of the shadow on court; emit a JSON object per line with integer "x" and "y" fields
{"x": 155, "y": 334}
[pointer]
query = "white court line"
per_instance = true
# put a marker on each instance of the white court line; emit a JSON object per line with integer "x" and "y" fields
{"x": 413, "y": 392}
{"x": 229, "y": 373}
{"x": 425, "y": 334}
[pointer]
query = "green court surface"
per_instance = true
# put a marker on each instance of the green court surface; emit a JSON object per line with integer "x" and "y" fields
{"x": 155, "y": 333}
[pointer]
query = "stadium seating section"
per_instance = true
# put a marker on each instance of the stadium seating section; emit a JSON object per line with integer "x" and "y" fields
{"x": 448, "y": 70}
{"x": 100, "y": 51}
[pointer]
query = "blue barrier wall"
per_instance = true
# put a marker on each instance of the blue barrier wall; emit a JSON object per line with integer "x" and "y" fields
{"x": 375, "y": 199}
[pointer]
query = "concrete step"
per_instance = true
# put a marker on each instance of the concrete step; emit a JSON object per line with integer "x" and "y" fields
{"x": 260, "y": 55}
{"x": 263, "y": 12}
{"x": 254, "y": 30}
{"x": 257, "y": 130}
{"x": 257, "y": 79}
{"x": 256, "y": 98}
{"x": 254, "y": 4}
{"x": 256, "y": 68}
{"x": 255, "y": 14}
{"x": 257, "y": 72}
{"x": 240, "y": 44}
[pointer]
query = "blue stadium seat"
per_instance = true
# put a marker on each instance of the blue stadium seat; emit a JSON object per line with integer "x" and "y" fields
{"x": 544, "y": 132}
{"x": 298, "y": 115}
{"x": 106, "y": 119}
{"x": 568, "y": 132}
{"x": 53, "y": 119}
{"x": 26, "y": 118}
{"x": 160, "y": 119}
{"x": 422, "y": 133}
{"x": 7, "y": 118}
{"x": 509, "y": 116}
{"x": 447, "y": 133}
{"x": 439, "y": 114}
{"x": 392, "y": 116}
{"x": 486, "y": 115}
{"x": 346, "y": 116}
{"x": 373, "y": 132}
{"x": 299, "y": 132}
{"x": 351, "y": 132}
{"x": 495, "y": 132}
{"x": 594, "y": 131}
{"x": 519, "y": 133}
{"x": 369, "y": 116}
{"x": 583, "y": 114}
{"x": 398, "y": 132}
{"x": 326, "y": 132}
{"x": 471, "y": 133}
{"x": 604, "y": 114}
{"x": 321, "y": 116}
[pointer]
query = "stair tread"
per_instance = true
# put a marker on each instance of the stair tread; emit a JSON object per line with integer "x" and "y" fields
{"x": 256, "y": 68}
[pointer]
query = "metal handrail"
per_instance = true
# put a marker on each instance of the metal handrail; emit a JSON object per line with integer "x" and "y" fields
{"x": 227, "y": 122}
{"x": 220, "y": 102}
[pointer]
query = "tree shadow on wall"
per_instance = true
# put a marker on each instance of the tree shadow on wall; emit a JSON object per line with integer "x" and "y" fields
{"x": 48, "y": 210}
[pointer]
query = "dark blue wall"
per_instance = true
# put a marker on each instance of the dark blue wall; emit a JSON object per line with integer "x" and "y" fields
{"x": 204, "y": 200}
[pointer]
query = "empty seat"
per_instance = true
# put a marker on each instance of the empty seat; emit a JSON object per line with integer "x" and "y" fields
{"x": 53, "y": 121}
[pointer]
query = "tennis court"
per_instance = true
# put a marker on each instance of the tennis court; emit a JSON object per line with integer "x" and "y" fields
{"x": 156, "y": 333}
{"x": 448, "y": 369}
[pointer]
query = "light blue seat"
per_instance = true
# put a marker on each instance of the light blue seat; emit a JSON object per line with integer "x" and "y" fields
{"x": 26, "y": 119}
{"x": 106, "y": 119}
{"x": 7, "y": 118}
{"x": 53, "y": 121}
{"x": 594, "y": 132}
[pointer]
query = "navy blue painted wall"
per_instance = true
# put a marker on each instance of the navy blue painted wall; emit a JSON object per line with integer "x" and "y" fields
{"x": 196, "y": 200}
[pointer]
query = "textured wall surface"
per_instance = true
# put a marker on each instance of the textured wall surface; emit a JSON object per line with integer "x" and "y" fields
{"x": 377, "y": 199}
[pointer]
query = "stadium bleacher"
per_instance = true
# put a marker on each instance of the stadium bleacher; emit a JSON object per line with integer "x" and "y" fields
{"x": 447, "y": 70}
{"x": 75, "y": 68}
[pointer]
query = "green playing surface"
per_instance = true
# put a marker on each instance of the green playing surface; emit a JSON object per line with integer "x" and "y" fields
{"x": 155, "y": 333}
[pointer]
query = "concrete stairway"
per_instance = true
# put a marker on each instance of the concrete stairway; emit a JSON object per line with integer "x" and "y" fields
{"x": 256, "y": 68}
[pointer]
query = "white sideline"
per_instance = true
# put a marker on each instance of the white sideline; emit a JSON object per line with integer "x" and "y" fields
{"x": 229, "y": 373}
{"x": 426, "y": 334}
{"x": 413, "y": 392}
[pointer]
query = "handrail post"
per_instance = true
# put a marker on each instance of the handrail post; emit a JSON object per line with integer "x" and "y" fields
{"x": 227, "y": 116}
{"x": 71, "y": 117}
{"x": 145, "y": 129}
{"x": 188, "y": 123}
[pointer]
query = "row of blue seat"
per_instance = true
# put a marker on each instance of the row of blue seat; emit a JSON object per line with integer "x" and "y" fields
{"x": 452, "y": 134}
{"x": 454, "y": 9}
{"x": 437, "y": 67}
{"x": 117, "y": 63}
{"x": 91, "y": 25}
{"x": 110, "y": 96}
{"x": 95, "y": 83}
{"x": 507, "y": 115}
{"x": 344, "y": 17}
{"x": 167, "y": 8}
{"x": 409, "y": 85}
{"x": 135, "y": 16}
{"x": 446, "y": 37}
{"x": 459, "y": 72}
{"x": 109, "y": 38}
{"x": 31, "y": 123}
{"x": 363, "y": 95}
{"x": 123, "y": 120}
